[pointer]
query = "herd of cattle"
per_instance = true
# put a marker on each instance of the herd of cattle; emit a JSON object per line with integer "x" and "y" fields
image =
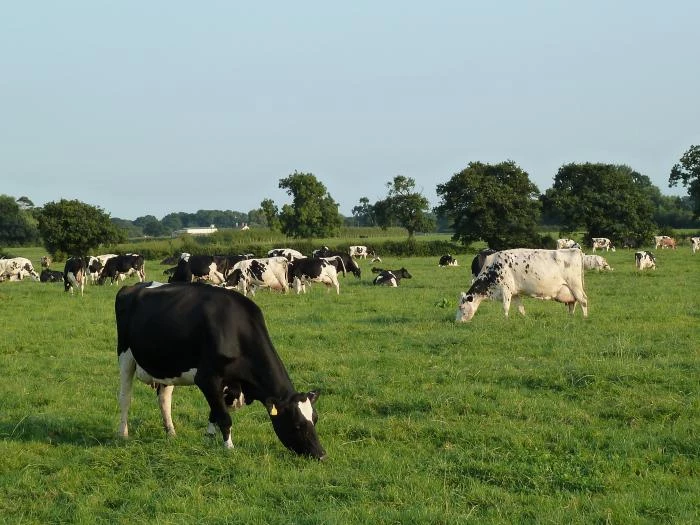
{"x": 190, "y": 333}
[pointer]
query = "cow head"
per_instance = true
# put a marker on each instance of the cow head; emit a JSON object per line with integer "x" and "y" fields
{"x": 403, "y": 273}
{"x": 294, "y": 423}
{"x": 467, "y": 306}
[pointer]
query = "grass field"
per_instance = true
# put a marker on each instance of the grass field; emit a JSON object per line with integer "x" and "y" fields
{"x": 540, "y": 419}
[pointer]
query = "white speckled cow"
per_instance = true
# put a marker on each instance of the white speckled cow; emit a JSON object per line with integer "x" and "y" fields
{"x": 544, "y": 274}
{"x": 695, "y": 244}
{"x": 644, "y": 260}
{"x": 602, "y": 242}
{"x": 595, "y": 262}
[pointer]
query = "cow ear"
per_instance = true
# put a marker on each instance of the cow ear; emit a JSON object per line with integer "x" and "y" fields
{"x": 313, "y": 396}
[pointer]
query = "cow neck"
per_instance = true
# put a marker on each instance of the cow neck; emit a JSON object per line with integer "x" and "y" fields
{"x": 268, "y": 377}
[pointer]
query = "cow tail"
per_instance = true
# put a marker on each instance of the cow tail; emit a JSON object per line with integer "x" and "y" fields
{"x": 342, "y": 264}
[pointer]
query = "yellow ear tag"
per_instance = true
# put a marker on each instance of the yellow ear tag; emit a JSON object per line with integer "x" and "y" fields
{"x": 273, "y": 411}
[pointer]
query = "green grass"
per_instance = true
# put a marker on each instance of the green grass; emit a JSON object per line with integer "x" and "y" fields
{"x": 543, "y": 419}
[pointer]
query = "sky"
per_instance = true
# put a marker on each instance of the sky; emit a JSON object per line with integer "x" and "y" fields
{"x": 150, "y": 108}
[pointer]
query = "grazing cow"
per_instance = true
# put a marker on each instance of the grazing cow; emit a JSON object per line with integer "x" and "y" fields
{"x": 360, "y": 251}
{"x": 270, "y": 272}
{"x": 567, "y": 243}
{"x": 196, "y": 334}
{"x": 74, "y": 274}
{"x": 46, "y": 261}
{"x": 644, "y": 260}
{"x": 307, "y": 270}
{"x": 595, "y": 262}
{"x": 390, "y": 277}
{"x": 602, "y": 242}
{"x": 193, "y": 267}
{"x": 668, "y": 242}
{"x": 695, "y": 244}
{"x": 349, "y": 263}
{"x": 287, "y": 253}
{"x": 480, "y": 260}
{"x": 16, "y": 268}
{"x": 447, "y": 260}
{"x": 544, "y": 274}
{"x": 127, "y": 264}
{"x": 50, "y": 276}
{"x": 95, "y": 264}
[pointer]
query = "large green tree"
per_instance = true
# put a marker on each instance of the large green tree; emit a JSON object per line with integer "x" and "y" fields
{"x": 687, "y": 171}
{"x": 495, "y": 203}
{"x": 405, "y": 207}
{"x": 71, "y": 227}
{"x": 271, "y": 214}
{"x": 364, "y": 213}
{"x": 606, "y": 200}
{"x": 17, "y": 225}
{"x": 313, "y": 212}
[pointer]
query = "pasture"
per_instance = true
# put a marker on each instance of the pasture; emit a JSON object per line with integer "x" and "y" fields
{"x": 546, "y": 418}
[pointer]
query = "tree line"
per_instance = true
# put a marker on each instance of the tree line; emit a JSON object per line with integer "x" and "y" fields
{"x": 494, "y": 203}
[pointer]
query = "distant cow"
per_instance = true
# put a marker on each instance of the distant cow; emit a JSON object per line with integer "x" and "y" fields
{"x": 45, "y": 261}
{"x": 195, "y": 334}
{"x": 511, "y": 274}
{"x": 480, "y": 260}
{"x": 191, "y": 267}
{"x": 287, "y": 253}
{"x": 17, "y": 268}
{"x": 74, "y": 274}
{"x": 595, "y": 262}
{"x": 644, "y": 260}
{"x": 123, "y": 265}
{"x": 602, "y": 242}
{"x": 50, "y": 276}
{"x": 695, "y": 244}
{"x": 270, "y": 272}
{"x": 95, "y": 264}
{"x": 307, "y": 270}
{"x": 567, "y": 243}
{"x": 667, "y": 242}
{"x": 391, "y": 277}
{"x": 360, "y": 252}
{"x": 447, "y": 260}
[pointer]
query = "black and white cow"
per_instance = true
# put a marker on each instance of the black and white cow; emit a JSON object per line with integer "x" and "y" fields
{"x": 361, "y": 252}
{"x": 50, "y": 276}
{"x": 544, "y": 274}
{"x": 390, "y": 277}
{"x": 480, "y": 260}
{"x": 695, "y": 244}
{"x": 196, "y": 334}
{"x": 447, "y": 260}
{"x": 127, "y": 264}
{"x": 17, "y": 268}
{"x": 95, "y": 264}
{"x": 287, "y": 253}
{"x": 270, "y": 272}
{"x": 349, "y": 263}
{"x": 337, "y": 262}
{"x": 308, "y": 270}
{"x": 602, "y": 242}
{"x": 194, "y": 267}
{"x": 644, "y": 260}
{"x": 74, "y": 274}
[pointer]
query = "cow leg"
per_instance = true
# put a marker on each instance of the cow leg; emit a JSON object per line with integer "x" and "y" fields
{"x": 165, "y": 400}
{"x": 506, "y": 302}
{"x": 519, "y": 302}
{"x": 127, "y": 368}
{"x": 213, "y": 392}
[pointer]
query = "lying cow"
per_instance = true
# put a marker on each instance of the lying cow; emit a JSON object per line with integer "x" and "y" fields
{"x": 695, "y": 244}
{"x": 270, "y": 272}
{"x": 602, "y": 242}
{"x": 595, "y": 262}
{"x": 390, "y": 277}
{"x": 74, "y": 274}
{"x": 511, "y": 274}
{"x": 195, "y": 334}
{"x": 17, "y": 268}
{"x": 644, "y": 260}
{"x": 50, "y": 276}
{"x": 307, "y": 270}
{"x": 447, "y": 260}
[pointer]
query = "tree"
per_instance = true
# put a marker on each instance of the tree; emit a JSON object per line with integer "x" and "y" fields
{"x": 271, "y": 214}
{"x": 151, "y": 226}
{"x": 313, "y": 212}
{"x": 405, "y": 206}
{"x": 494, "y": 203}
{"x": 17, "y": 225}
{"x": 72, "y": 227}
{"x": 606, "y": 200}
{"x": 687, "y": 171}
{"x": 364, "y": 213}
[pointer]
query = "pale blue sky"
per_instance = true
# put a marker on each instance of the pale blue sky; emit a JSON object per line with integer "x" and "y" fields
{"x": 154, "y": 107}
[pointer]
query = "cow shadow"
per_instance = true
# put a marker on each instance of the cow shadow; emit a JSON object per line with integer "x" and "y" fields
{"x": 60, "y": 430}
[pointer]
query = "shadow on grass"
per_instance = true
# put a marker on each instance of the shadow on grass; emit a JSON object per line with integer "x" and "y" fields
{"x": 45, "y": 428}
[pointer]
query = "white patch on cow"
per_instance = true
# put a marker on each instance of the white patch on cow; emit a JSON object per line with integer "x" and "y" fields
{"x": 156, "y": 284}
{"x": 228, "y": 444}
{"x": 306, "y": 410}
{"x": 184, "y": 379}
